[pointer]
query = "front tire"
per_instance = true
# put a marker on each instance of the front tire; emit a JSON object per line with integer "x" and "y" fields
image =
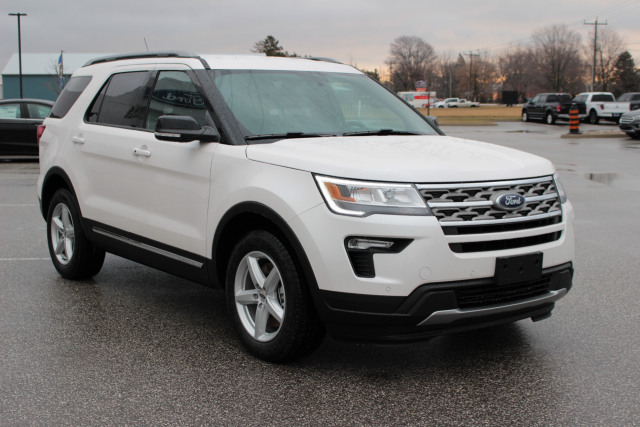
{"x": 72, "y": 254}
{"x": 525, "y": 116}
{"x": 269, "y": 300}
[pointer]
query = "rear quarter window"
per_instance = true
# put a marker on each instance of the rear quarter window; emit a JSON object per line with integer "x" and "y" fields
{"x": 602, "y": 98}
{"x": 69, "y": 96}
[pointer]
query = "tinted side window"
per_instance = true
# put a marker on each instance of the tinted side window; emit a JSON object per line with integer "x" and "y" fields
{"x": 120, "y": 102}
{"x": 602, "y": 98}
{"x": 38, "y": 111}
{"x": 580, "y": 98}
{"x": 10, "y": 111}
{"x": 175, "y": 94}
{"x": 624, "y": 98}
{"x": 69, "y": 95}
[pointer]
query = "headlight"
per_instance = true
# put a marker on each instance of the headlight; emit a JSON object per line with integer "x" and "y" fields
{"x": 362, "y": 198}
{"x": 561, "y": 192}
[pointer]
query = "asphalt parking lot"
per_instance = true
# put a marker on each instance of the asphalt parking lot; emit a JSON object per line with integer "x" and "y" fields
{"x": 136, "y": 346}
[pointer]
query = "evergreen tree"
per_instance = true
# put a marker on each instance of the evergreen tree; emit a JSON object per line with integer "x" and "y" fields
{"x": 625, "y": 75}
{"x": 269, "y": 46}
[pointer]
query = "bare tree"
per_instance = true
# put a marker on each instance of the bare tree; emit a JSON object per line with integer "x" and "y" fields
{"x": 444, "y": 83}
{"x": 485, "y": 79}
{"x": 557, "y": 54}
{"x": 610, "y": 46}
{"x": 516, "y": 71}
{"x": 477, "y": 79}
{"x": 410, "y": 60}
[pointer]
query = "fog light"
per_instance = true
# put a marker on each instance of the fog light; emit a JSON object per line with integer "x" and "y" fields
{"x": 364, "y": 244}
{"x": 361, "y": 249}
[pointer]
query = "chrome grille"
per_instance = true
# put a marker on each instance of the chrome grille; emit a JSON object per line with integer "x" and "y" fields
{"x": 469, "y": 209}
{"x": 626, "y": 120}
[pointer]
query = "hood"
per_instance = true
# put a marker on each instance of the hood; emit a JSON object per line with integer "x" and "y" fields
{"x": 411, "y": 159}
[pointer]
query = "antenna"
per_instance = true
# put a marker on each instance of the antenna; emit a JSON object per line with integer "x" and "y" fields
{"x": 145, "y": 44}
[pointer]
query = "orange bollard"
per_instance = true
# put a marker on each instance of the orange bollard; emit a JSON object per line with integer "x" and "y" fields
{"x": 574, "y": 120}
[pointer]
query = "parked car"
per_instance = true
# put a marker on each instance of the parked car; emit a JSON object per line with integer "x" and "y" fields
{"x": 630, "y": 123}
{"x": 596, "y": 106}
{"x": 19, "y": 121}
{"x": 455, "y": 103}
{"x": 548, "y": 107}
{"x": 633, "y": 98}
{"x": 339, "y": 209}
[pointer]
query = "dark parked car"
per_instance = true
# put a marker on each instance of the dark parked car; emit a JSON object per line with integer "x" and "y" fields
{"x": 630, "y": 123}
{"x": 548, "y": 107}
{"x": 19, "y": 120}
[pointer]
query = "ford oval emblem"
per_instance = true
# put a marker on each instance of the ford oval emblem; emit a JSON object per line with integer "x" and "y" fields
{"x": 509, "y": 201}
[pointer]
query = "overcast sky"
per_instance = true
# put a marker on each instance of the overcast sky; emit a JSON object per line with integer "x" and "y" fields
{"x": 358, "y": 32}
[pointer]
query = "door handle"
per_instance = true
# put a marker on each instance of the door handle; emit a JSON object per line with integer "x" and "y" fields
{"x": 77, "y": 140}
{"x": 141, "y": 152}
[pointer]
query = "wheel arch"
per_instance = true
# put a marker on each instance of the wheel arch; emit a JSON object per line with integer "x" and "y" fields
{"x": 248, "y": 216}
{"x": 55, "y": 179}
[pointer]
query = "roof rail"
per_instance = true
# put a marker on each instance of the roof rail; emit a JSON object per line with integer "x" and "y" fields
{"x": 319, "y": 58}
{"x": 138, "y": 55}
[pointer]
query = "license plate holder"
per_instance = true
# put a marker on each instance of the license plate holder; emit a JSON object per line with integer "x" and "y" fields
{"x": 517, "y": 269}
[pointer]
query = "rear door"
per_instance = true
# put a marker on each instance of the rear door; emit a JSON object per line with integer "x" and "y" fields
{"x": 152, "y": 193}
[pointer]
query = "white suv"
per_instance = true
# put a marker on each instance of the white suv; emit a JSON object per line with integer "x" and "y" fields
{"x": 316, "y": 198}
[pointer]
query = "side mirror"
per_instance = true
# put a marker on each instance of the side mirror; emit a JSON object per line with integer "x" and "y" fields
{"x": 433, "y": 121}
{"x": 184, "y": 129}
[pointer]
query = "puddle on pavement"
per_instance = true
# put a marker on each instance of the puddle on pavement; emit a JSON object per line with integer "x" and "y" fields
{"x": 616, "y": 180}
{"x": 603, "y": 178}
{"x": 631, "y": 144}
{"x": 526, "y": 131}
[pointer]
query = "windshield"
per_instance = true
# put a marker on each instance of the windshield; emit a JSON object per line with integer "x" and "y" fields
{"x": 280, "y": 104}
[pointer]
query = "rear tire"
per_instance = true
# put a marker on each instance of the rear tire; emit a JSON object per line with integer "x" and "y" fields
{"x": 269, "y": 300}
{"x": 72, "y": 254}
{"x": 549, "y": 119}
{"x": 593, "y": 117}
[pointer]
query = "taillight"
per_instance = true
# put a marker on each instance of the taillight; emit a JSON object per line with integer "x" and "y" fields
{"x": 41, "y": 129}
{"x": 558, "y": 108}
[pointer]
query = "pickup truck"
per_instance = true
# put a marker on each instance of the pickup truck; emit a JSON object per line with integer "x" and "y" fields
{"x": 633, "y": 98}
{"x": 596, "y": 106}
{"x": 548, "y": 107}
{"x": 455, "y": 103}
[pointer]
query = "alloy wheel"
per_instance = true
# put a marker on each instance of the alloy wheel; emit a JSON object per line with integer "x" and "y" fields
{"x": 63, "y": 234}
{"x": 259, "y": 296}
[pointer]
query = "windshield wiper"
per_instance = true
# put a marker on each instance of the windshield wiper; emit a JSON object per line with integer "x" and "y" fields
{"x": 288, "y": 135}
{"x": 381, "y": 132}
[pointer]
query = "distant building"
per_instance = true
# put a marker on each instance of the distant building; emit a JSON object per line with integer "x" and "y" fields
{"x": 39, "y": 74}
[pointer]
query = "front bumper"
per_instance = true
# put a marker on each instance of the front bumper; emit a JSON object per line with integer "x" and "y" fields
{"x": 440, "y": 308}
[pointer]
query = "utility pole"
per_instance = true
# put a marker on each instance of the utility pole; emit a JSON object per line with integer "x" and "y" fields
{"x": 595, "y": 50}
{"x": 18, "y": 14}
{"x": 471, "y": 55}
